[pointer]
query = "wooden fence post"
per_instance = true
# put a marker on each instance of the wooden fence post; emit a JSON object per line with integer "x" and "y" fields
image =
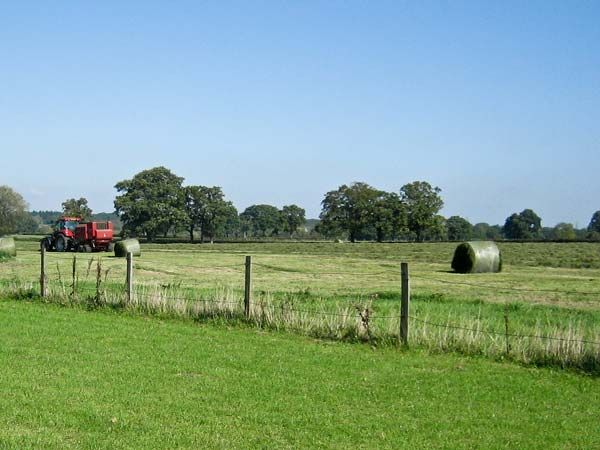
{"x": 98, "y": 282}
{"x": 248, "y": 287}
{"x": 404, "y": 305}
{"x": 43, "y": 290}
{"x": 74, "y": 277}
{"x": 129, "y": 278}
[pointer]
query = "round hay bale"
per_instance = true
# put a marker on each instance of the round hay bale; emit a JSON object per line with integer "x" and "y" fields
{"x": 128, "y": 245}
{"x": 7, "y": 248}
{"x": 477, "y": 257}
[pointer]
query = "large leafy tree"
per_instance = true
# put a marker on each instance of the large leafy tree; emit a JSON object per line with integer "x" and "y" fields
{"x": 423, "y": 202}
{"x": 437, "y": 230}
{"x": 594, "y": 223}
{"x": 348, "y": 210}
{"x": 207, "y": 210}
{"x": 292, "y": 217}
{"x": 262, "y": 220}
{"x": 77, "y": 208}
{"x": 525, "y": 225}
{"x": 13, "y": 210}
{"x": 458, "y": 228}
{"x": 231, "y": 223}
{"x": 389, "y": 216}
{"x": 564, "y": 231}
{"x": 151, "y": 203}
{"x": 29, "y": 224}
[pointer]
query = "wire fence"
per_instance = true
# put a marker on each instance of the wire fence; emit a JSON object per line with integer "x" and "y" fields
{"x": 149, "y": 285}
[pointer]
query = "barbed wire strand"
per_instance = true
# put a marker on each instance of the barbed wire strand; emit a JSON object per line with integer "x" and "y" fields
{"x": 498, "y": 333}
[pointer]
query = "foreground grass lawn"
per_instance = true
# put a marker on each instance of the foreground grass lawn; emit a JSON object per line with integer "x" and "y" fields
{"x": 72, "y": 378}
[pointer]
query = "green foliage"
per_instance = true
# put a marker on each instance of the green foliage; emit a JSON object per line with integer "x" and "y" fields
{"x": 207, "y": 210}
{"x": 423, "y": 203}
{"x": 261, "y": 220}
{"x": 564, "y": 231}
{"x": 525, "y": 225}
{"x": 437, "y": 229}
{"x": 77, "y": 208}
{"x": 13, "y": 210}
{"x": 151, "y": 203}
{"x": 484, "y": 231}
{"x": 47, "y": 217}
{"x": 459, "y": 229}
{"x": 593, "y": 236}
{"x": 352, "y": 210}
{"x": 29, "y": 224}
{"x": 594, "y": 225}
{"x": 389, "y": 216}
{"x": 292, "y": 217}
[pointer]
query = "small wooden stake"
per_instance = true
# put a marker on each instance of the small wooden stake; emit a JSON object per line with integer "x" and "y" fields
{"x": 43, "y": 272}
{"x": 129, "y": 277}
{"x": 404, "y": 304}
{"x": 248, "y": 286}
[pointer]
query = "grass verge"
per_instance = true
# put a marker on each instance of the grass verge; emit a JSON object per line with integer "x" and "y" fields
{"x": 72, "y": 378}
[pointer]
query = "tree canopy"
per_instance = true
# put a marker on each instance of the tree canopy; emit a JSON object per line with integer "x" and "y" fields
{"x": 292, "y": 217}
{"x": 423, "y": 203}
{"x": 459, "y": 229}
{"x": 484, "y": 231}
{"x": 262, "y": 220}
{"x": 207, "y": 210}
{"x": 525, "y": 225}
{"x": 77, "y": 208}
{"x": 151, "y": 203}
{"x": 13, "y": 210}
{"x": 564, "y": 232}
{"x": 595, "y": 223}
{"x": 349, "y": 210}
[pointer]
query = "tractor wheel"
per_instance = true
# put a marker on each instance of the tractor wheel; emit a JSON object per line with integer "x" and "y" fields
{"x": 61, "y": 244}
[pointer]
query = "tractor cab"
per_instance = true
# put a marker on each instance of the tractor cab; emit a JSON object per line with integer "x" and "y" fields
{"x": 66, "y": 225}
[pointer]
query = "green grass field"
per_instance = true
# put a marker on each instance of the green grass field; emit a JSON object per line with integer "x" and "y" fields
{"x": 73, "y": 378}
{"x": 545, "y": 290}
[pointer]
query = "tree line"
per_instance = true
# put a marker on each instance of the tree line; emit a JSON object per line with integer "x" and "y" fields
{"x": 156, "y": 203}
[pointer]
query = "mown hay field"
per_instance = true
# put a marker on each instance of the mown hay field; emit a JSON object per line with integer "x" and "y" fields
{"x": 543, "y": 308}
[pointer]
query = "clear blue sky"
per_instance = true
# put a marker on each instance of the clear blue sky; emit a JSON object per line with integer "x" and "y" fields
{"x": 497, "y": 103}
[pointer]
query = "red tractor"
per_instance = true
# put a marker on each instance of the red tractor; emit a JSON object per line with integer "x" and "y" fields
{"x": 71, "y": 234}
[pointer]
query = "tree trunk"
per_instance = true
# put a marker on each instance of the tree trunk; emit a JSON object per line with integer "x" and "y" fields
{"x": 192, "y": 233}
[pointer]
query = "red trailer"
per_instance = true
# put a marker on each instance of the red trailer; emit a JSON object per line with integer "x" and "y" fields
{"x": 94, "y": 236}
{"x": 73, "y": 235}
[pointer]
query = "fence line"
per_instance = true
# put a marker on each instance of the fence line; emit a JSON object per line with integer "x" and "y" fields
{"x": 362, "y": 316}
{"x": 499, "y": 333}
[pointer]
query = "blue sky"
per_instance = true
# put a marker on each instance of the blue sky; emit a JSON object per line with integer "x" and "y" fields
{"x": 498, "y": 104}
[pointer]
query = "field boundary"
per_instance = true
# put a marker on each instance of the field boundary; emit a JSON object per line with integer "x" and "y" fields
{"x": 117, "y": 287}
